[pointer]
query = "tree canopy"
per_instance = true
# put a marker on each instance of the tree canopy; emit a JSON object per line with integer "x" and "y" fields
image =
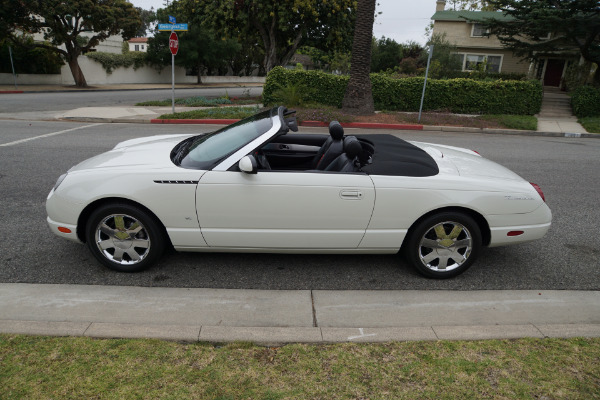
{"x": 282, "y": 27}
{"x": 201, "y": 49}
{"x": 78, "y": 25}
{"x": 573, "y": 25}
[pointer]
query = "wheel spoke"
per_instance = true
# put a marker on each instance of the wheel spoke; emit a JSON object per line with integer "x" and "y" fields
{"x": 134, "y": 229}
{"x": 107, "y": 230}
{"x": 430, "y": 257}
{"x": 141, "y": 243}
{"x": 458, "y": 258}
{"x": 118, "y": 256}
{"x": 133, "y": 254}
{"x": 119, "y": 222}
{"x": 456, "y": 231}
{"x": 106, "y": 244}
{"x": 430, "y": 244}
{"x": 443, "y": 263}
{"x": 462, "y": 243}
{"x": 440, "y": 231}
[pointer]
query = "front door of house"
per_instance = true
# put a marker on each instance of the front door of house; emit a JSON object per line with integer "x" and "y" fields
{"x": 554, "y": 71}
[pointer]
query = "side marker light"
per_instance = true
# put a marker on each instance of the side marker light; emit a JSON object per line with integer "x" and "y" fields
{"x": 63, "y": 229}
{"x": 515, "y": 233}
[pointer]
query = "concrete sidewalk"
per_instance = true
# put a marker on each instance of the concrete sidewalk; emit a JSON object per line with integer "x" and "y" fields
{"x": 309, "y": 316}
{"x": 123, "y": 86}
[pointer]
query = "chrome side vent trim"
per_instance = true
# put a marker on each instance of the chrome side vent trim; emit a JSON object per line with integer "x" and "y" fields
{"x": 169, "y": 182}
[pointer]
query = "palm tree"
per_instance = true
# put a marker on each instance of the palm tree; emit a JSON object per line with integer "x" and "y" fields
{"x": 359, "y": 98}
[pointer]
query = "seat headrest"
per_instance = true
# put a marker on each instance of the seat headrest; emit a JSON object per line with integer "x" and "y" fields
{"x": 352, "y": 146}
{"x": 335, "y": 130}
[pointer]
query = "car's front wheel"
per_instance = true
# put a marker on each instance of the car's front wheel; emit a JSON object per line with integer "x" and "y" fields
{"x": 444, "y": 245}
{"x": 124, "y": 237}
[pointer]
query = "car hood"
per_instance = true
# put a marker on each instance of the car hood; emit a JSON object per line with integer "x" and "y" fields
{"x": 149, "y": 152}
{"x": 466, "y": 162}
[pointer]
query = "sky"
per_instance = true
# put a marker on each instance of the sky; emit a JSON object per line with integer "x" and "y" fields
{"x": 401, "y": 20}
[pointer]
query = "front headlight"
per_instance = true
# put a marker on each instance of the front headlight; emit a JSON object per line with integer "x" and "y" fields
{"x": 59, "y": 180}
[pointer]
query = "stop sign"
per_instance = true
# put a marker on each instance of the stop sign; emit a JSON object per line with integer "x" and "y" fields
{"x": 173, "y": 43}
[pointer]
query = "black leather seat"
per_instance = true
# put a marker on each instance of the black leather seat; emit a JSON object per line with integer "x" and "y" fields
{"x": 332, "y": 147}
{"x": 348, "y": 160}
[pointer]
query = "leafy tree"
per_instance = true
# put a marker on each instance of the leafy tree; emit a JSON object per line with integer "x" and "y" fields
{"x": 199, "y": 48}
{"x": 30, "y": 60}
{"x": 444, "y": 60}
{"x": 471, "y": 5}
{"x": 13, "y": 15}
{"x": 283, "y": 26}
{"x": 73, "y": 27}
{"x": 386, "y": 54}
{"x": 573, "y": 24}
{"x": 358, "y": 98}
{"x": 148, "y": 18}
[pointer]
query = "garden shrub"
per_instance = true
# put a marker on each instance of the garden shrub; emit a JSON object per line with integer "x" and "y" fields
{"x": 586, "y": 101}
{"x": 453, "y": 95}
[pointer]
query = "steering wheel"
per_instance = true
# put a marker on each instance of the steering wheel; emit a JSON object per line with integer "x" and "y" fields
{"x": 262, "y": 161}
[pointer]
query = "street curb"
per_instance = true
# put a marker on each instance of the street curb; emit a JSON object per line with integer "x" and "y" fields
{"x": 119, "y": 90}
{"x": 194, "y": 121}
{"x": 368, "y": 125}
{"x": 285, "y": 335}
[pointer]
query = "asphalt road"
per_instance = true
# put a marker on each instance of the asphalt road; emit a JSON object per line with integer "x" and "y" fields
{"x": 11, "y": 103}
{"x": 567, "y": 258}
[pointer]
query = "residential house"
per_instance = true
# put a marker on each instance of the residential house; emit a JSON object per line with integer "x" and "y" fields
{"x": 138, "y": 44}
{"x": 478, "y": 49}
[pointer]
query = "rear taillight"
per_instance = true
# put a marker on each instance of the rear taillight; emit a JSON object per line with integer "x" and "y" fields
{"x": 539, "y": 190}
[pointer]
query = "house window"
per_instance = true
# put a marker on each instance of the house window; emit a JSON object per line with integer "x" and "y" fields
{"x": 137, "y": 47}
{"x": 479, "y": 30}
{"x": 481, "y": 62}
{"x": 142, "y": 47}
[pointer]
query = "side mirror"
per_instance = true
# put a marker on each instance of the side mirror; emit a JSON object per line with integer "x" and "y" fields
{"x": 248, "y": 165}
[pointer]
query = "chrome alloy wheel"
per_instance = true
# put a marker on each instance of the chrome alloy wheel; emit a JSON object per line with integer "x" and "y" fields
{"x": 122, "y": 239}
{"x": 446, "y": 246}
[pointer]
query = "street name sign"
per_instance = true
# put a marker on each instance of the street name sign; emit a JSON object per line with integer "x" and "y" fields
{"x": 173, "y": 27}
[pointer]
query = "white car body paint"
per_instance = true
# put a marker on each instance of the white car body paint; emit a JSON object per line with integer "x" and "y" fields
{"x": 298, "y": 212}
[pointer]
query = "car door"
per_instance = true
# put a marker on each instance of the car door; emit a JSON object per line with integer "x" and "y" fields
{"x": 284, "y": 210}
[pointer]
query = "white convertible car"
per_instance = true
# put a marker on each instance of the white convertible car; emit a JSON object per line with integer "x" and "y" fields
{"x": 254, "y": 186}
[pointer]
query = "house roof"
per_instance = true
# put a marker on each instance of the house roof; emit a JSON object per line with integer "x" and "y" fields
{"x": 138, "y": 40}
{"x": 449, "y": 15}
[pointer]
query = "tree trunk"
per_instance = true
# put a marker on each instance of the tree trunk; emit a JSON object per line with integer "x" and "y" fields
{"x": 77, "y": 72}
{"x": 358, "y": 98}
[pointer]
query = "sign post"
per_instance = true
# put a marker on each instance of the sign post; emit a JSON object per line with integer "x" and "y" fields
{"x": 425, "y": 83}
{"x": 174, "y": 47}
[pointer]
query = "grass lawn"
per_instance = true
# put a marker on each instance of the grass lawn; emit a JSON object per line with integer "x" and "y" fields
{"x": 200, "y": 101}
{"x": 591, "y": 124}
{"x": 327, "y": 114}
{"x": 214, "y": 113}
{"x": 76, "y": 368}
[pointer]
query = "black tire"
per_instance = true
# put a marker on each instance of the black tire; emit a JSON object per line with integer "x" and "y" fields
{"x": 443, "y": 245}
{"x": 124, "y": 237}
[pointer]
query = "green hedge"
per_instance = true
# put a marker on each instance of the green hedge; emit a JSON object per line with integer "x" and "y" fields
{"x": 586, "y": 101}
{"x": 453, "y": 95}
{"x": 112, "y": 61}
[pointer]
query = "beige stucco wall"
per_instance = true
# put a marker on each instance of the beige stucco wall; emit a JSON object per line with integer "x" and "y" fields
{"x": 510, "y": 63}
{"x": 459, "y": 34}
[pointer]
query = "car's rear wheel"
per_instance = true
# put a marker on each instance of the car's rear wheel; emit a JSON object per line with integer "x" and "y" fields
{"x": 444, "y": 245}
{"x": 124, "y": 237}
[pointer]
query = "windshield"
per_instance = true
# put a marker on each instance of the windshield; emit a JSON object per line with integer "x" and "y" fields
{"x": 205, "y": 151}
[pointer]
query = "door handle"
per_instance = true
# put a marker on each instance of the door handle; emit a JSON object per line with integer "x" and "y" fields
{"x": 351, "y": 194}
